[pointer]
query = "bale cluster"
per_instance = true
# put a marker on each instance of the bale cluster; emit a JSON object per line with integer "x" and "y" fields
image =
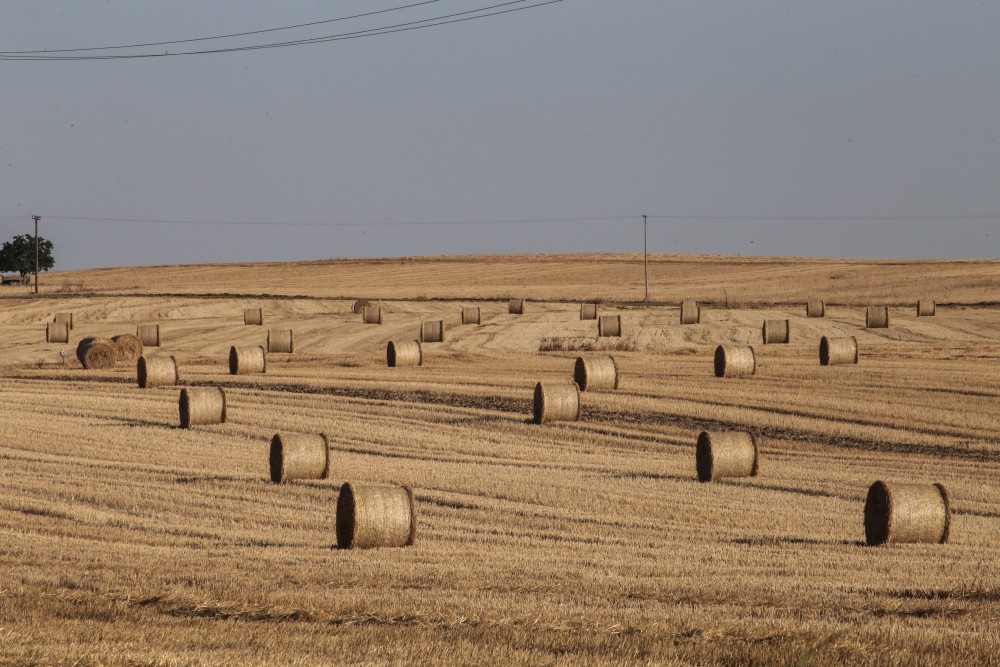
{"x": 907, "y": 513}
{"x": 201, "y": 406}
{"x": 432, "y": 331}
{"x": 836, "y": 351}
{"x": 726, "y": 454}
{"x": 609, "y": 326}
{"x": 815, "y": 309}
{"x": 64, "y": 317}
{"x": 253, "y": 316}
{"x": 470, "y": 315}
{"x": 588, "y": 311}
{"x": 690, "y": 312}
{"x": 372, "y": 315}
{"x": 926, "y": 308}
{"x": 516, "y": 307}
{"x": 280, "y": 341}
{"x": 247, "y": 360}
{"x": 57, "y": 332}
{"x": 375, "y": 516}
{"x": 406, "y": 353}
{"x": 556, "y": 402}
{"x": 96, "y": 353}
{"x": 734, "y": 361}
{"x": 149, "y": 334}
{"x": 299, "y": 456}
{"x": 157, "y": 372}
{"x": 877, "y": 317}
{"x": 596, "y": 374}
{"x": 775, "y": 331}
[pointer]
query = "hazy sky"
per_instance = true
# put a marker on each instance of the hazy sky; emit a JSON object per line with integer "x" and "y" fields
{"x": 579, "y": 109}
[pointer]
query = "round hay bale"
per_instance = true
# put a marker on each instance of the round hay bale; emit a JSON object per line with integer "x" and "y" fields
{"x": 877, "y": 317}
{"x": 588, "y": 311}
{"x": 690, "y": 312}
{"x": 372, "y": 315}
{"x": 835, "y": 351}
{"x": 202, "y": 405}
{"x": 57, "y": 332}
{"x": 375, "y": 516}
{"x": 815, "y": 309}
{"x": 157, "y": 372}
{"x": 726, "y": 454}
{"x": 149, "y": 334}
{"x": 907, "y": 514}
{"x": 596, "y": 374}
{"x": 516, "y": 307}
{"x": 299, "y": 456}
{"x": 775, "y": 331}
{"x": 247, "y": 360}
{"x": 64, "y": 317}
{"x": 556, "y": 402}
{"x": 253, "y": 316}
{"x": 360, "y": 305}
{"x": 94, "y": 352}
{"x": 128, "y": 349}
{"x": 407, "y": 353}
{"x": 733, "y": 361}
{"x": 470, "y": 315}
{"x": 280, "y": 341}
{"x": 432, "y": 331}
{"x": 609, "y": 326}
{"x": 926, "y": 308}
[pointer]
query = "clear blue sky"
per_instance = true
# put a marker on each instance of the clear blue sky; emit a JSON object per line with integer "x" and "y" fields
{"x": 584, "y": 108}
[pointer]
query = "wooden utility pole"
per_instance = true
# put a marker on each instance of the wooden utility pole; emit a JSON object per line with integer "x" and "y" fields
{"x": 37, "y": 218}
{"x": 645, "y": 259}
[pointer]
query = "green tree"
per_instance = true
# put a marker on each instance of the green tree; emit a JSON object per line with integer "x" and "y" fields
{"x": 19, "y": 255}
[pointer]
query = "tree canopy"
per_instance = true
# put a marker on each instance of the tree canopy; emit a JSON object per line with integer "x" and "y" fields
{"x": 18, "y": 254}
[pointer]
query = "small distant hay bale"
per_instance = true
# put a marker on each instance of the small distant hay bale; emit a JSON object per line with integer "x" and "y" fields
{"x": 775, "y": 331}
{"x": 157, "y": 371}
{"x": 735, "y": 361}
{"x": 596, "y": 374}
{"x": 556, "y": 402}
{"x": 375, "y": 516}
{"x": 247, "y": 360}
{"x": 516, "y": 307}
{"x": 470, "y": 315}
{"x": 128, "y": 349}
{"x": 280, "y": 341}
{"x": 149, "y": 334}
{"x": 96, "y": 353}
{"x": 372, "y": 315}
{"x": 816, "y": 309}
{"x": 926, "y": 308}
{"x": 57, "y": 332}
{"x": 907, "y": 514}
{"x": 64, "y": 317}
{"x": 877, "y": 317}
{"x": 359, "y": 306}
{"x": 726, "y": 454}
{"x": 588, "y": 311}
{"x": 253, "y": 316}
{"x": 690, "y": 312}
{"x": 299, "y": 456}
{"x": 432, "y": 331}
{"x": 202, "y": 405}
{"x": 406, "y": 353}
{"x": 609, "y": 326}
{"x": 836, "y": 351}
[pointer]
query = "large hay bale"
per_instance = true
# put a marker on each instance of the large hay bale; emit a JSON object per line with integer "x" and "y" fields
{"x": 907, "y": 514}
{"x": 609, "y": 326}
{"x": 57, "y": 332}
{"x": 835, "y": 351}
{"x": 372, "y": 315}
{"x": 470, "y": 315}
{"x": 94, "y": 352}
{"x": 253, "y": 316}
{"x": 406, "y": 353}
{"x": 815, "y": 309}
{"x": 202, "y": 405}
{"x": 375, "y": 516}
{"x": 596, "y": 374}
{"x": 775, "y": 331}
{"x": 280, "y": 341}
{"x": 64, "y": 317}
{"x": 735, "y": 361}
{"x": 359, "y": 306}
{"x": 556, "y": 402}
{"x": 516, "y": 307}
{"x": 299, "y": 456}
{"x": 247, "y": 360}
{"x": 877, "y": 317}
{"x": 726, "y": 454}
{"x": 128, "y": 349}
{"x": 690, "y": 312}
{"x": 149, "y": 334}
{"x": 588, "y": 311}
{"x": 156, "y": 372}
{"x": 926, "y": 308}
{"x": 432, "y": 331}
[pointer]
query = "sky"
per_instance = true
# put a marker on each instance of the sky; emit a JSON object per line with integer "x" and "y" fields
{"x": 831, "y": 129}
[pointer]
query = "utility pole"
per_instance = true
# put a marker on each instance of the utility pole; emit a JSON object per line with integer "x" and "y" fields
{"x": 37, "y": 218}
{"x": 645, "y": 259}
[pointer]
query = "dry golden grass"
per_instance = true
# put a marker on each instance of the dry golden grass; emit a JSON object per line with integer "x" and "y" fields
{"x": 126, "y": 540}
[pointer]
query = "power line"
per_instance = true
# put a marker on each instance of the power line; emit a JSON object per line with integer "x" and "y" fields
{"x": 344, "y": 224}
{"x": 829, "y": 218}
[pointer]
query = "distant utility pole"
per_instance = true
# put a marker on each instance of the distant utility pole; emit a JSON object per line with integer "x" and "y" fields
{"x": 645, "y": 259}
{"x": 37, "y": 218}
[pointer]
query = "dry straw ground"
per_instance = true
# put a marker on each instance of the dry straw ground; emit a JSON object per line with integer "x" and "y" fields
{"x": 126, "y": 540}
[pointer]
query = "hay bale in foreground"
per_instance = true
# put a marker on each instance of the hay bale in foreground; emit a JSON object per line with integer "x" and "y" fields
{"x": 726, "y": 454}
{"x": 95, "y": 352}
{"x": 128, "y": 349}
{"x": 432, "y": 331}
{"x": 609, "y": 326}
{"x": 877, "y": 317}
{"x": 247, "y": 360}
{"x": 836, "y": 351}
{"x": 735, "y": 361}
{"x": 375, "y": 516}
{"x": 64, "y": 317}
{"x": 253, "y": 316}
{"x": 149, "y": 334}
{"x": 202, "y": 405}
{"x": 556, "y": 402}
{"x": 299, "y": 456}
{"x": 907, "y": 514}
{"x": 516, "y": 307}
{"x": 588, "y": 311}
{"x": 690, "y": 312}
{"x": 280, "y": 341}
{"x": 372, "y": 315}
{"x": 596, "y": 374}
{"x": 775, "y": 332}
{"x": 156, "y": 372}
{"x": 816, "y": 309}
{"x": 57, "y": 332}
{"x": 926, "y": 308}
{"x": 407, "y": 353}
{"x": 470, "y": 315}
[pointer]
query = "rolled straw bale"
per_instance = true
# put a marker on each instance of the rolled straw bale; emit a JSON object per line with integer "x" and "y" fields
{"x": 926, "y": 308}
{"x": 734, "y": 361}
{"x": 202, "y": 405}
{"x": 432, "y": 331}
{"x": 253, "y": 316}
{"x": 149, "y": 334}
{"x": 156, "y": 372}
{"x": 57, "y": 332}
{"x": 609, "y": 326}
{"x": 516, "y": 307}
{"x": 815, "y": 309}
{"x": 128, "y": 349}
{"x": 556, "y": 402}
{"x": 359, "y": 306}
{"x": 406, "y": 353}
{"x": 372, "y": 315}
{"x": 470, "y": 315}
{"x": 834, "y": 351}
{"x": 280, "y": 341}
{"x": 726, "y": 454}
{"x": 877, "y": 317}
{"x": 596, "y": 374}
{"x": 775, "y": 331}
{"x": 375, "y": 516}
{"x": 96, "y": 352}
{"x": 907, "y": 513}
{"x": 690, "y": 312}
{"x": 299, "y": 456}
{"x": 588, "y": 311}
{"x": 64, "y": 317}
{"x": 247, "y": 360}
